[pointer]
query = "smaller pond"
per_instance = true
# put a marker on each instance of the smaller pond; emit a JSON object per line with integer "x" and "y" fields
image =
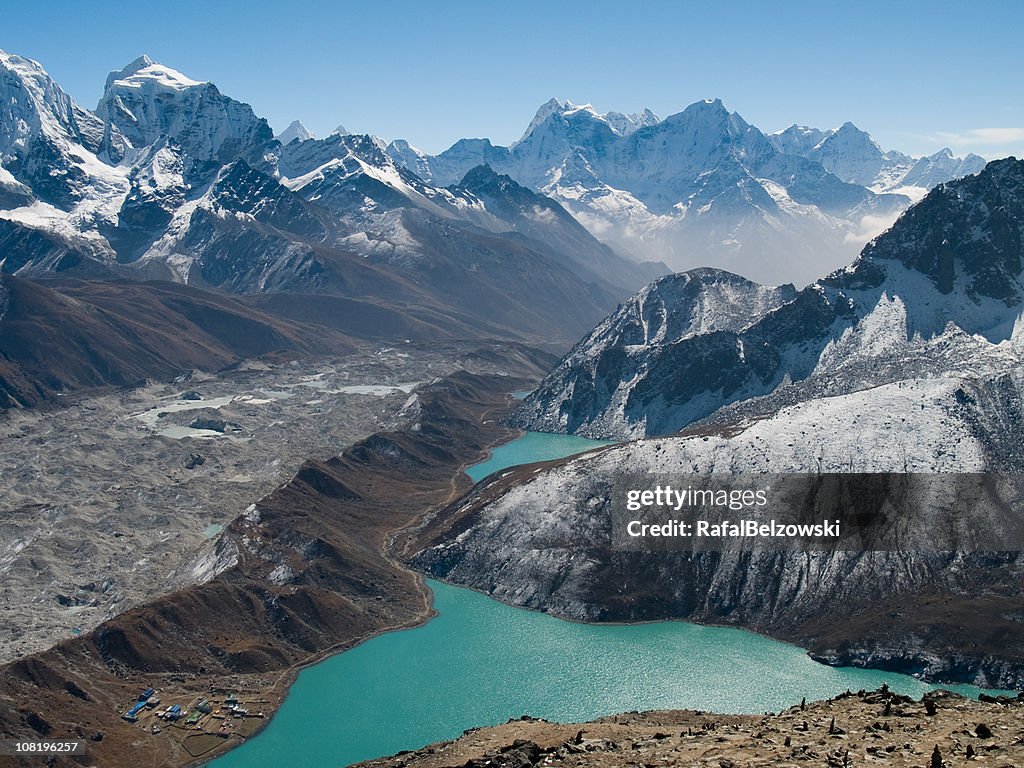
{"x": 531, "y": 447}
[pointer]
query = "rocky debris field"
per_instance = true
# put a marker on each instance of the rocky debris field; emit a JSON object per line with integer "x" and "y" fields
{"x": 854, "y": 729}
{"x": 109, "y": 500}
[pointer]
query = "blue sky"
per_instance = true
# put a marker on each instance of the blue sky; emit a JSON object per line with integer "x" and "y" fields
{"x": 916, "y": 75}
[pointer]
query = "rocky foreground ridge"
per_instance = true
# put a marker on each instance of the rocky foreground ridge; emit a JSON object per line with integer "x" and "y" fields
{"x": 854, "y": 729}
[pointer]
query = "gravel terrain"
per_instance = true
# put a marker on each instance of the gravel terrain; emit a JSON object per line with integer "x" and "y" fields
{"x": 109, "y": 500}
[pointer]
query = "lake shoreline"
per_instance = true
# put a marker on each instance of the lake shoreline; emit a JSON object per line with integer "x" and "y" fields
{"x": 290, "y": 676}
{"x": 470, "y": 405}
{"x": 495, "y": 662}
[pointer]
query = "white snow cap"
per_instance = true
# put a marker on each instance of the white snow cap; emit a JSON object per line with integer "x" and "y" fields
{"x": 145, "y": 71}
{"x": 622, "y": 124}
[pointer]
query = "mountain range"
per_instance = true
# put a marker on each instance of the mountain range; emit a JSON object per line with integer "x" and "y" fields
{"x": 852, "y": 155}
{"x": 705, "y": 188}
{"x": 170, "y": 179}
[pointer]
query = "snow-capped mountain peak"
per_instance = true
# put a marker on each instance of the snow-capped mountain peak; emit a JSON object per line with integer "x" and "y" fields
{"x": 626, "y": 124}
{"x": 203, "y": 194}
{"x": 621, "y": 124}
{"x": 797, "y": 139}
{"x": 296, "y": 130}
{"x": 574, "y": 108}
{"x": 710, "y": 106}
{"x": 945, "y": 282}
{"x": 148, "y": 102}
{"x": 711, "y": 131}
{"x": 144, "y": 72}
{"x": 548, "y": 108}
{"x": 128, "y": 70}
{"x": 32, "y": 102}
{"x": 941, "y": 166}
{"x": 408, "y": 156}
{"x": 850, "y": 135}
{"x": 51, "y": 149}
{"x": 690, "y": 189}
{"x": 854, "y": 156}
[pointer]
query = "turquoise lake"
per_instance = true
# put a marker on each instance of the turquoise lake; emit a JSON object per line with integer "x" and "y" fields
{"x": 533, "y": 446}
{"x": 480, "y": 662}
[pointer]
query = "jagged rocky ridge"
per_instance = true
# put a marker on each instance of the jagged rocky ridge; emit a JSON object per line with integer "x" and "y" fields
{"x": 908, "y": 361}
{"x": 943, "y": 285}
{"x": 295, "y": 130}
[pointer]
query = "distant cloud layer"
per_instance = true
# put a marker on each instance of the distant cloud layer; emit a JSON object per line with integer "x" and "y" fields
{"x": 985, "y": 141}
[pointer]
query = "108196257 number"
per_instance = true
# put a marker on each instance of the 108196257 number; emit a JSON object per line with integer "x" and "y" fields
{"x": 17, "y": 747}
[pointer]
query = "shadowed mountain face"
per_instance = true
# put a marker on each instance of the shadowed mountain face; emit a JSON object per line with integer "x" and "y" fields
{"x": 73, "y": 335}
{"x": 690, "y": 344}
{"x": 171, "y": 179}
{"x": 966, "y": 237}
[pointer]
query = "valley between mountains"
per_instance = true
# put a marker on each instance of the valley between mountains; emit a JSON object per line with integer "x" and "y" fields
{"x": 241, "y": 377}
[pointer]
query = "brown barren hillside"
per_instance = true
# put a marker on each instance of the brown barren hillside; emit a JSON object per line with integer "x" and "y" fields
{"x": 66, "y": 336}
